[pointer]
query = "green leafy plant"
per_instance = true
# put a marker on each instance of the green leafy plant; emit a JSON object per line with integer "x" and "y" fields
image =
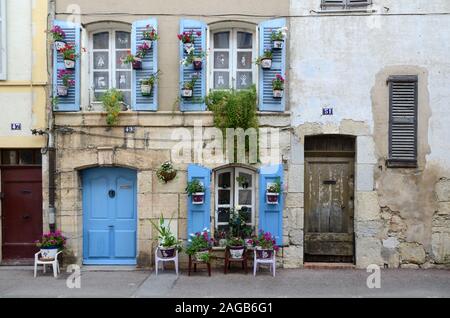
{"x": 279, "y": 34}
{"x": 194, "y": 186}
{"x": 112, "y": 103}
{"x": 191, "y": 83}
{"x": 152, "y": 79}
{"x": 275, "y": 188}
{"x": 191, "y": 56}
{"x": 278, "y": 83}
{"x": 268, "y": 54}
{"x": 166, "y": 237}
{"x": 235, "y": 241}
{"x": 199, "y": 242}
{"x": 52, "y": 239}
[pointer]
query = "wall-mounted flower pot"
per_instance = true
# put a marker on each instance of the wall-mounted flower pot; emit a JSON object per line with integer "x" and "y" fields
{"x": 266, "y": 63}
{"x": 263, "y": 254}
{"x": 198, "y": 64}
{"x": 69, "y": 64}
{"x": 146, "y": 89}
{"x": 49, "y": 252}
{"x": 278, "y": 45}
{"x": 277, "y": 93}
{"x": 147, "y": 42}
{"x": 137, "y": 64}
{"x": 188, "y": 46}
{"x": 236, "y": 252}
{"x": 62, "y": 90}
{"x": 60, "y": 44}
{"x": 186, "y": 93}
{"x": 198, "y": 198}
{"x": 272, "y": 198}
{"x": 167, "y": 252}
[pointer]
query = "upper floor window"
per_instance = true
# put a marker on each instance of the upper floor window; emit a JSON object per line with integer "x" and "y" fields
{"x": 108, "y": 48}
{"x": 232, "y": 55}
{"x": 2, "y": 39}
{"x": 345, "y": 4}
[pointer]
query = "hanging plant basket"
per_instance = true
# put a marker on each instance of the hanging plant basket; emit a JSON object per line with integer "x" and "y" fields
{"x": 277, "y": 93}
{"x": 186, "y": 93}
{"x": 69, "y": 64}
{"x": 272, "y": 198}
{"x": 62, "y": 90}
{"x": 59, "y": 44}
{"x": 266, "y": 63}
{"x": 278, "y": 44}
{"x": 198, "y": 198}
{"x": 188, "y": 46}
{"x": 198, "y": 64}
{"x": 146, "y": 89}
{"x": 137, "y": 64}
{"x": 147, "y": 42}
{"x": 263, "y": 253}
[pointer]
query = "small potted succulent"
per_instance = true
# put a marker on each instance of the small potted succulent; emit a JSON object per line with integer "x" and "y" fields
{"x": 166, "y": 172}
{"x": 236, "y": 246}
{"x": 149, "y": 35}
{"x": 65, "y": 77}
{"x": 59, "y": 36}
{"x": 148, "y": 83}
{"x": 168, "y": 243}
{"x": 196, "y": 190}
{"x": 273, "y": 192}
{"x": 188, "y": 38}
{"x": 69, "y": 55}
{"x": 187, "y": 90}
{"x": 265, "y": 60}
{"x": 199, "y": 246}
{"x": 278, "y": 36}
{"x": 278, "y": 86}
{"x": 50, "y": 243}
{"x": 265, "y": 245}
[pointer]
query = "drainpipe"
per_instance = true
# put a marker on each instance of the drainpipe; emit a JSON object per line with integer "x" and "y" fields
{"x": 51, "y": 131}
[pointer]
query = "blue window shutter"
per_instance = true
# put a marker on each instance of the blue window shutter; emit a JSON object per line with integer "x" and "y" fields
{"x": 271, "y": 215}
{"x": 70, "y": 103}
{"x": 197, "y": 102}
{"x": 266, "y": 100}
{"x": 199, "y": 215}
{"x": 149, "y": 67}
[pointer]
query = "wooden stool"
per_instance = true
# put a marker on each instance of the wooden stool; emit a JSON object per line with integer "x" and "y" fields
{"x": 195, "y": 262}
{"x": 229, "y": 260}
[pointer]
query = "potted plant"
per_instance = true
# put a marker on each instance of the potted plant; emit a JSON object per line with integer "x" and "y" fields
{"x": 221, "y": 238}
{"x": 236, "y": 245}
{"x": 278, "y": 86}
{"x": 67, "y": 82}
{"x": 187, "y": 38}
{"x": 168, "y": 243}
{"x": 166, "y": 172}
{"x": 69, "y": 55}
{"x": 200, "y": 245}
{"x": 112, "y": 104}
{"x": 265, "y": 60}
{"x": 242, "y": 181}
{"x": 147, "y": 84}
{"x": 265, "y": 245}
{"x": 188, "y": 87}
{"x": 196, "y": 59}
{"x": 59, "y": 36}
{"x": 196, "y": 190}
{"x": 278, "y": 36}
{"x": 273, "y": 192}
{"x": 149, "y": 35}
{"x": 248, "y": 235}
{"x": 136, "y": 60}
{"x": 50, "y": 243}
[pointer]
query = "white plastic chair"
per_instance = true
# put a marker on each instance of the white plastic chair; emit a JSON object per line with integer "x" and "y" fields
{"x": 159, "y": 259}
{"x": 271, "y": 261}
{"x": 54, "y": 262}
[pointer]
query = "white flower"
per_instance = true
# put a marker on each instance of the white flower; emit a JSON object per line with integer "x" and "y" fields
{"x": 192, "y": 234}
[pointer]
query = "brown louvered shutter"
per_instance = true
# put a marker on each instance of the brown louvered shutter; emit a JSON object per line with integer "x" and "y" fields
{"x": 345, "y": 3}
{"x": 403, "y": 121}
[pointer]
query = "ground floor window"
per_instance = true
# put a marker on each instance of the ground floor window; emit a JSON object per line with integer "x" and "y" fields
{"x": 235, "y": 190}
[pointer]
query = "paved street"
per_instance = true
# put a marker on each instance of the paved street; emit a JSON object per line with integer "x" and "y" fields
{"x": 19, "y": 282}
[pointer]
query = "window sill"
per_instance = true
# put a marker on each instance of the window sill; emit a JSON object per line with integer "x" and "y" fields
{"x": 395, "y": 163}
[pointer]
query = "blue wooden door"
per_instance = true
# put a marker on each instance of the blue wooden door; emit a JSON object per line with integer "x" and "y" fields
{"x": 109, "y": 216}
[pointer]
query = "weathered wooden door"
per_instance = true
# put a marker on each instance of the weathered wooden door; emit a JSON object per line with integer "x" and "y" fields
{"x": 21, "y": 212}
{"x": 329, "y": 188}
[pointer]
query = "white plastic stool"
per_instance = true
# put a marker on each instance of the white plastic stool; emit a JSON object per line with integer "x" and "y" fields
{"x": 54, "y": 262}
{"x": 159, "y": 259}
{"x": 271, "y": 261}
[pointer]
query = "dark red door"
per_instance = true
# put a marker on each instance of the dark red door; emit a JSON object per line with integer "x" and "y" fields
{"x": 21, "y": 212}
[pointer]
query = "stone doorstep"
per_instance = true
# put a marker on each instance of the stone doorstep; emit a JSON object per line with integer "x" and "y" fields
{"x": 329, "y": 266}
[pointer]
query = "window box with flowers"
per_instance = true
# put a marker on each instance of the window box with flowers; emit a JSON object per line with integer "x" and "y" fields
{"x": 278, "y": 86}
{"x": 148, "y": 36}
{"x": 196, "y": 190}
{"x": 273, "y": 192}
{"x": 59, "y": 36}
{"x": 50, "y": 244}
{"x": 265, "y": 245}
{"x": 188, "y": 38}
{"x": 278, "y": 37}
{"x": 65, "y": 77}
{"x": 265, "y": 60}
{"x": 148, "y": 84}
{"x": 69, "y": 56}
